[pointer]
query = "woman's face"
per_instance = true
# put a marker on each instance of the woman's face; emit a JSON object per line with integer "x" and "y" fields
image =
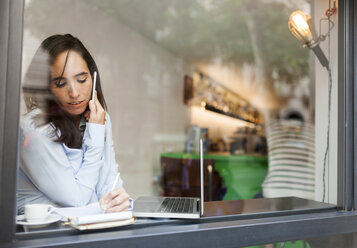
{"x": 72, "y": 90}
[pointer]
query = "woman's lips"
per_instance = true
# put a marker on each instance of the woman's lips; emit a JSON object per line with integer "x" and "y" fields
{"x": 75, "y": 104}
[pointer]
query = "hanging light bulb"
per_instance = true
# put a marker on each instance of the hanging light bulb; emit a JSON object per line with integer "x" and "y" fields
{"x": 300, "y": 26}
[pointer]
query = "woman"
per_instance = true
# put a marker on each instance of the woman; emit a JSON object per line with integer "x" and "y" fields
{"x": 66, "y": 150}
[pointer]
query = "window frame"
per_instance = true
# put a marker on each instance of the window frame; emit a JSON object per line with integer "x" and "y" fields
{"x": 234, "y": 232}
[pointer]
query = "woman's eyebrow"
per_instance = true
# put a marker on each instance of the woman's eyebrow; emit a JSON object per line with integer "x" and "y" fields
{"x": 81, "y": 73}
{"x": 77, "y": 75}
{"x": 57, "y": 78}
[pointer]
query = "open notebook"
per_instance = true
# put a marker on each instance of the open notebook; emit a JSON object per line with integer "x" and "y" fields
{"x": 93, "y": 217}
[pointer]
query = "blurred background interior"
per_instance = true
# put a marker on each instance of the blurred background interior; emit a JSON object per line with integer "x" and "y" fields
{"x": 175, "y": 71}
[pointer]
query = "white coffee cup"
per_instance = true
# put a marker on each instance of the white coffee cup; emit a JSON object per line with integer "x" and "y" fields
{"x": 37, "y": 212}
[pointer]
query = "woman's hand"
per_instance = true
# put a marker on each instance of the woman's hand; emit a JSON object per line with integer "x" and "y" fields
{"x": 116, "y": 200}
{"x": 96, "y": 113}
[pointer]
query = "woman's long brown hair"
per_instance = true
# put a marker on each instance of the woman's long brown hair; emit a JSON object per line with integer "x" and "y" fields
{"x": 37, "y": 87}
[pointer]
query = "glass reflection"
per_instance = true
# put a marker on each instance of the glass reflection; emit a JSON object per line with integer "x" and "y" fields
{"x": 174, "y": 71}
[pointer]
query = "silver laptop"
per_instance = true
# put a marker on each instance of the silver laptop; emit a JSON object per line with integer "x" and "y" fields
{"x": 172, "y": 207}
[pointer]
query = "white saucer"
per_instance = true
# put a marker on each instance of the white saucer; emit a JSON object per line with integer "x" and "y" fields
{"x": 20, "y": 220}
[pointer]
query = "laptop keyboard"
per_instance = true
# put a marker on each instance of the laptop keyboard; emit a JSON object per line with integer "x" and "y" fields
{"x": 177, "y": 205}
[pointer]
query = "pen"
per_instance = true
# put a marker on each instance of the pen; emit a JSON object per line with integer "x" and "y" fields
{"x": 104, "y": 207}
{"x": 115, "y": 181}
{"x": 94, "y": 84}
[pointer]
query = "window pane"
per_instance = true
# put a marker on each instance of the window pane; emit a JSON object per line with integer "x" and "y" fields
{"x": 169, "y": 73}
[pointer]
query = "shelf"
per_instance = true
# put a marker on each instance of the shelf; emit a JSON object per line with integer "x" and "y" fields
{"x": 216, "y": 110}
{"x": 204, "y": 92}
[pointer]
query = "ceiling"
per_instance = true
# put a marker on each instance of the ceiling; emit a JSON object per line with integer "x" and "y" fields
{"x": 197, "y": 29}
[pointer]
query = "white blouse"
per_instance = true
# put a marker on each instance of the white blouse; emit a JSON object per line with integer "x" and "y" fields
{"x": 51, "y": 172}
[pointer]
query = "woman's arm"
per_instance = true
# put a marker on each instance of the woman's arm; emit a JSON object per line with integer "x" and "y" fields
{"x": 116, "y": 200}
{"x": 69, "y": 182}
{"x": 110, "y": 170}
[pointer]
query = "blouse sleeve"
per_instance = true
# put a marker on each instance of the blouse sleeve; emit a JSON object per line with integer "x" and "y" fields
{"x": 46, "y": 163}
{"x": 112, "y": 164}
